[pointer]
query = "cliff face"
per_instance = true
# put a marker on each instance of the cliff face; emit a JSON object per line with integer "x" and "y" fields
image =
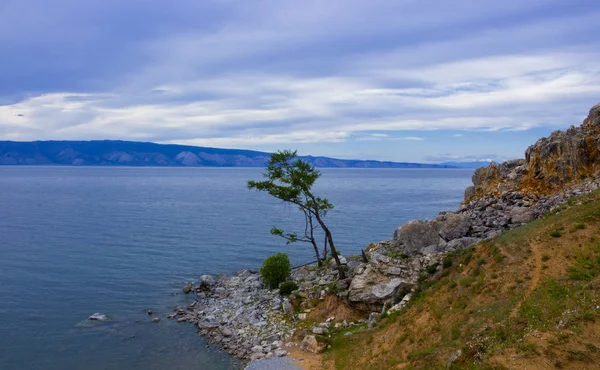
{"x": 554, "y": 163}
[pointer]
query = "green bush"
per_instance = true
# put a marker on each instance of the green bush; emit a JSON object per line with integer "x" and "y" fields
{"x": 555, "y": 233}
{"x": 287, "y": 287}
{"x": 447, "y": 261}
{"x": 275, "y": 270}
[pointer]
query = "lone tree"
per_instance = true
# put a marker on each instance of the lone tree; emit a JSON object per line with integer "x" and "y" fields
{"x": 290, "y": 179}
{"x": 309, "y": 235}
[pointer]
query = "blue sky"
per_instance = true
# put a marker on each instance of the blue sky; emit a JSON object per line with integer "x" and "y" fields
{"x": 399, "y": 80}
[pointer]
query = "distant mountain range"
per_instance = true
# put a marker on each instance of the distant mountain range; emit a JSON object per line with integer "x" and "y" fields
{"x": 131, "y": 153}
{"x": 474, "y": 164}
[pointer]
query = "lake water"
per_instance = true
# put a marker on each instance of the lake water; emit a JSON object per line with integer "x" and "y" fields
{"x": 74, "y": 241}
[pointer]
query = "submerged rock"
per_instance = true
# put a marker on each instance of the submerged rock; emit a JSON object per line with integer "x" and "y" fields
{"x": 98, "y": 317}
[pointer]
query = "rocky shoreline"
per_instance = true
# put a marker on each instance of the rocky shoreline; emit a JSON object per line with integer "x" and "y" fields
{"x": 252, "y": 323}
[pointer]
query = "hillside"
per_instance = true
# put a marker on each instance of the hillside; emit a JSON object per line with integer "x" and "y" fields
{"x": 510, "y": 280}
{"x": 129, "y": 153}
{"x": 527, "y": 299}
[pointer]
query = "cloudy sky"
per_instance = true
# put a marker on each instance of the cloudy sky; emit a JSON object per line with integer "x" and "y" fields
{"x": 410, "y": 80}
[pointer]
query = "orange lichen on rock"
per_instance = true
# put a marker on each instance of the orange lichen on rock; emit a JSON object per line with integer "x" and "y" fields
{"x": 554, "y": 163}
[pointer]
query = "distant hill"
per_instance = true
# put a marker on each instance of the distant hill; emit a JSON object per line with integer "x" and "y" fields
{"x": 131, "y": 153}
{"x": 474, "y": 164}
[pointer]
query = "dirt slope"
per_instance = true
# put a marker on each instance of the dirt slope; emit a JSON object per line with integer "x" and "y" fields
{"x": 528, "y": 299}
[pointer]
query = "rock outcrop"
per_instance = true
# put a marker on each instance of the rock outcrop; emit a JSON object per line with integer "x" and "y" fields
{"x": 414, "y": 236}
{"x": 555, "y": 163}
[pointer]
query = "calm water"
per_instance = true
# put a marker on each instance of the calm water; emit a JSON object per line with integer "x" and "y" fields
{"x": 74, "y": 241}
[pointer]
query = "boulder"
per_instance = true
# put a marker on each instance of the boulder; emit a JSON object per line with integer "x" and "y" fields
{"x": 461, "y": 243}
{"x": 415, "y": 235}
{"x": 99, "y": 317}
{"x": 311, "y": 344}
{"x": 226, "y": 331}
{"x": 452, "y": 225}
{"x": 372, "y": 289}
{"x": 280, "y": 352}
{"x": 207, "y": 281}
{"x": 521, "y": 215}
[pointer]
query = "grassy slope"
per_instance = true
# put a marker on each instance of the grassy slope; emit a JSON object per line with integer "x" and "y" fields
{"x": 528, "y": 299}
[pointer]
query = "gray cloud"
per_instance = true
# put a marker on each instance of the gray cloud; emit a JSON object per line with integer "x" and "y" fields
{"x": 232, "y": 73}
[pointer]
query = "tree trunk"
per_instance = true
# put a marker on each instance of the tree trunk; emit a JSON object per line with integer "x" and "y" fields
{"x": 325, "y": 248}
{"x": 312, "y": 235}
{"x": 314, "y": 243}
{"x": 341, "y": 273}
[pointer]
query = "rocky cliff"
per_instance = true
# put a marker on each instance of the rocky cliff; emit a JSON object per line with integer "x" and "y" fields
{"x": 562, "y": 160}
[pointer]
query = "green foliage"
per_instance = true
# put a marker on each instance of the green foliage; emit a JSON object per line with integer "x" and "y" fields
{"x": 421, "y": 353}
{"x": 290, "y": 179}
{"x": 275, "y": 270}
{"x": 287, "y": 287}
{"x": 586, "y": 264}
{"x": 545, "y": 257}
{"x": 447, "y": 262}
{"x": 555, "y": 233}
{"x": 432, "y": 269}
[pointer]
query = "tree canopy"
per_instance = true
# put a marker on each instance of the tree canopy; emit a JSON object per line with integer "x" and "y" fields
{"x": 291, "y": 179}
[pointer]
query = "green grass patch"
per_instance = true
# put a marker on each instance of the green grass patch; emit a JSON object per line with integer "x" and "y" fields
{"x": 555, "y": 233}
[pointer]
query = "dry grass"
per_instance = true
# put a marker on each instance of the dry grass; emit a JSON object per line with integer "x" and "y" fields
{"x": 525, "y": 299}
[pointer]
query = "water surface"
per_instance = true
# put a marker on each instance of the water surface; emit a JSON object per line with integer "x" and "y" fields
{"x": 74, "y": 241}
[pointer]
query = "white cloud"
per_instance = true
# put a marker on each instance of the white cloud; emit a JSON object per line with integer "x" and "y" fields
{"x": 237, "y": 86}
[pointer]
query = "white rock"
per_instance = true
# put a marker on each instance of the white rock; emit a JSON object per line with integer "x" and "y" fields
{"x": 99, "y": 317}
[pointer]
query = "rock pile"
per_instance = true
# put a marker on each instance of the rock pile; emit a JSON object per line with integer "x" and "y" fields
{"x": 237, "y": 313}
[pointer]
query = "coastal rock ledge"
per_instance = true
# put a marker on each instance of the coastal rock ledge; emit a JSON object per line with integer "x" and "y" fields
{"x": 237, "y": 313}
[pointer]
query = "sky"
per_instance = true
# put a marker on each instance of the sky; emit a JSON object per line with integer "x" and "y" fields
{"x": 402, "y": 80}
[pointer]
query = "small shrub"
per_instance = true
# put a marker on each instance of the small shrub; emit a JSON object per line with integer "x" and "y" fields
{"x": 579, "y": 226}
{"x": 545, "y": 257}
{"x": 467, "y": 281}
{"x": 590, "y": 347}
{"x": 275, "y": 270}
{"x": 527, "y": 349}
{"x": 586, "y": 265}
{"x": 455, "y": 332}
{"x": 287, "y": 287}
{"x": 447, "y": 262}
{"x": 425, "y": 352}
{"x": 431, "y": 269}
{"x": 468, "y": 256}
{"x": 555, "y": 233}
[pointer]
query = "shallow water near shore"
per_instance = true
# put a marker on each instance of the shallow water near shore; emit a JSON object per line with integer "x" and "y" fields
{"x": 74, "y": 241}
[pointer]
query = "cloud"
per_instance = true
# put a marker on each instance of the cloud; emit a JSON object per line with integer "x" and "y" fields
{"x": 230, "y": 73}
